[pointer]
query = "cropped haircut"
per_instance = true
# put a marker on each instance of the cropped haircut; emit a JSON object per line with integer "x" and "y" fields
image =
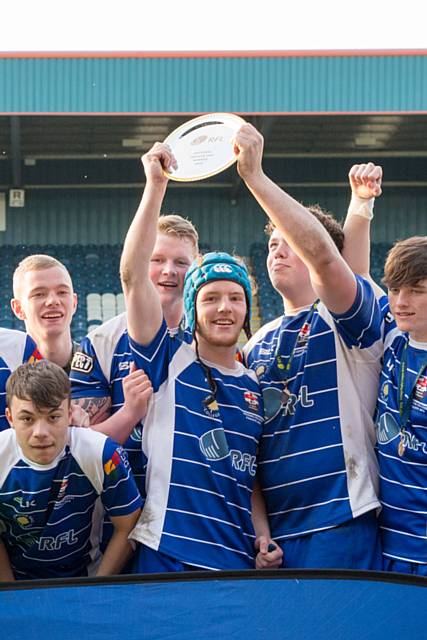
{"x": 36, "y": 262}
{"x": 406, "y": 263}
{"x": 175, "y": 225}
{"x": 43, "y": 383}
{"x": 332, "y": 226}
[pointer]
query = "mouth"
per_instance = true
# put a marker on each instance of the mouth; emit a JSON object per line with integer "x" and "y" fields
{"x": 42, "y": 447}
{"x": 52, "y": 316}
{"x": 167, "y": 285}
{"x": 223, "y": 323}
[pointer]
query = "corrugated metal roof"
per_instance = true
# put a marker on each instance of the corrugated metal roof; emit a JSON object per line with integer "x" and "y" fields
{"x": 289, "y": 83}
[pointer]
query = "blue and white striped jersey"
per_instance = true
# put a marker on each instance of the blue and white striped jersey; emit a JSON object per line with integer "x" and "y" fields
{"x": 91, "y": 474}
{"x": 102, "y": 362}
{"x": 16, "y": 348}
{"x": 201, "y": 460}
{"x": 403, "y": 469}
{"x": 317, "y": 463}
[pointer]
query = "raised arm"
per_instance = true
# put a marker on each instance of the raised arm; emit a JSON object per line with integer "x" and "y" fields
{"x": 331, "y": 278}
{"x": 365, "y": 183}
{"x": 144, "y": 311}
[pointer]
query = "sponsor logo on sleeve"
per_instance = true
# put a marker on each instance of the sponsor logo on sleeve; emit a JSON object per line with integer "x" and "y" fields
{"x": 112, "y": 464}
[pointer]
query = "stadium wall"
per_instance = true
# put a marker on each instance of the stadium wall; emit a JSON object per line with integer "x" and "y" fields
{"x": 102, "y": 216}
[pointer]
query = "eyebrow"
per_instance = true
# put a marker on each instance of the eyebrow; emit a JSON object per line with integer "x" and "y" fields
{"x": 44, "y": 287}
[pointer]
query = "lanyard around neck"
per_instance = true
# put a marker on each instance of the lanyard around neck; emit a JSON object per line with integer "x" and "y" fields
{"x": 285, "y": 368}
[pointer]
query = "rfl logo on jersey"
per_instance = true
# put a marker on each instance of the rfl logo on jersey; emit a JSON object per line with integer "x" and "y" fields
{"x": 421, "y": 388}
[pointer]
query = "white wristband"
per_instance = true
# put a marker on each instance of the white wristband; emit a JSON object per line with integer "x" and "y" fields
{"x": 363, "y": 207}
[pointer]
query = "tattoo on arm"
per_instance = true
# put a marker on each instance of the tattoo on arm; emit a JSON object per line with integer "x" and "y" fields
{"x": 98, "y": 409}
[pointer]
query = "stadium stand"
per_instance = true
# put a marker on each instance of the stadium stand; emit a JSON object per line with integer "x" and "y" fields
{"x": 95, "y": 273}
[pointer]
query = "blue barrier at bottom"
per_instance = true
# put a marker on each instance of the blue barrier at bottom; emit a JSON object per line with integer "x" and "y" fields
{"x": 318, "y": 605}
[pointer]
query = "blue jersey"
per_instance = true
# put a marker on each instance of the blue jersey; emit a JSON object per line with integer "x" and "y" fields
{"x": 402, "y": 450}
{"x": 201, "y": 459}
{"x": 317, "y": 460}
{"x": 51, "y": 515}
{"x": 16, "y": 348}
{"x": 97, "y": 371}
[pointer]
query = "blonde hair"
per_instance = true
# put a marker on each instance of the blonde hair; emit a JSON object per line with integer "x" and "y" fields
{"x": 175, "y": 225}
{"x": 36, "y": 262}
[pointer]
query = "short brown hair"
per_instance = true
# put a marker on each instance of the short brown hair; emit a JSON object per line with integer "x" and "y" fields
{"x": 406, "y": 262}
{"x": 332, "y": 226}
{"x": 175, "y": 225}
{"x": 43, "y": 383}
{"x": 36, "y": 262}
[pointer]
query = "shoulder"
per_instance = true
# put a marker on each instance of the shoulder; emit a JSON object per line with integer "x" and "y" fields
{"x": 9, "y": 453}
{"x": 101, "y": 345}
{"x": 13, "y": 345}
{"x": 87, "y": 448}
{"x": 264, "y": 333}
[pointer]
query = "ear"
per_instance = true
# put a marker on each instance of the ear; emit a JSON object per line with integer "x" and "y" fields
{"x": 74, "y": 303}
{"x": 9, "y": 417}
{"x": 17, "y": 309}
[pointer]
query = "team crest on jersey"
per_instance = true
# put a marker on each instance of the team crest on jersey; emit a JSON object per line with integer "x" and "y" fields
{"x": 251, "y": 400}
{"x": 260, "y": 370}
{"x": 62, "y": 488}
{"x": 304, "y": 334}
{"x": 421, "y": 388}
{"x": 82, "y": 362}
{"x": 213, "y": 444}
{"x": 24, "y": 521}
{"x": 385, "y": 390}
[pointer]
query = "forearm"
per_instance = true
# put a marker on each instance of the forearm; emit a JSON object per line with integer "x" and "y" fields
{"x": 259, "y": 512}
{"x": 118, "y": 427}
{"x": 357, "y": 231}
{"x": 6, "y": 573}
{"x": 141, "y": 236}
{"x": 144, "y": 311}
{"x": 116, "y": 554}
{"x": 302, "y": 231}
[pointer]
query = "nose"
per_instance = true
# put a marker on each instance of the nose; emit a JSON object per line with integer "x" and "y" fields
{"x": 169, "y": 267}
{"x": 52, "y": 298}
{"x": 224, "y": 305}
{"x": 40, "y": 430}
{"x": 401, "y": 298}
{"x": 281, "y": 250}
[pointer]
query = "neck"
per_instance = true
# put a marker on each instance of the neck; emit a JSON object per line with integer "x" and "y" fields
{"x": 221, "y": 356}
{"x": 420, "y": 337}
{"x": 56, "y": 349}
{"x": 295, "y": 304}
{"x": 173, "y": 314}
{"x": 297, "y": 298}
